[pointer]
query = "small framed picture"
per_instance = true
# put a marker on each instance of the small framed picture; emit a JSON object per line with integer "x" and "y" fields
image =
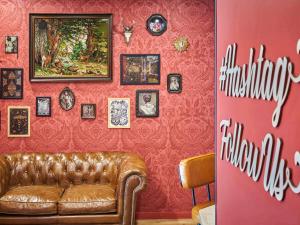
{"x": 11, "y": 44}
{"x": 147, "y": 103}
{"x": 118, "y": 112}
{"x": 156, "y": 24}
{"x": 174, "y": 83}
{"x": 11, "y": 86}
{"x": 66, "y": 99}
{"x": 88, "y": 111}
{"x": 43, "y": 106}
{"x": 18, "y": 121}
{"x": 137, "y": 69}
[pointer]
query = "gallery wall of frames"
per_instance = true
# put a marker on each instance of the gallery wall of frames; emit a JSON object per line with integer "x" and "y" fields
{"x": 73, "y": 73}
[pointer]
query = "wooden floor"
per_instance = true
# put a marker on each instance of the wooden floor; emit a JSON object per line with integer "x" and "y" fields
{"x": 166, "y": 222}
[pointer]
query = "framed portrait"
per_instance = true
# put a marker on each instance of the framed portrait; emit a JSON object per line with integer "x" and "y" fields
{"x": 11, "y": 83}
{"x": 18, "y": 121}
{"x": 147, "y": 103}
{"x": 156, "y": 24}
{"x": 43, "y": 106}
{"x": 11, "y": 44}
{"x": 137, "y": 69}
{"x": 70, "y": 47}
{"x": 174, "y": 83}
{"x": 66, "y": 99}
{"x": 88, "y": 111}
{"x": 118, "y": 112}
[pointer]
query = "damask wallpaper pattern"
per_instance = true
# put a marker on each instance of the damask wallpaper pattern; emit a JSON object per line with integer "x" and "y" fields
{"x": 185, "y": 125}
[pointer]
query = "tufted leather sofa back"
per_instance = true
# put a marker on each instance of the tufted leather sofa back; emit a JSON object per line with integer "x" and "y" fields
{"x": 64, "y": 169}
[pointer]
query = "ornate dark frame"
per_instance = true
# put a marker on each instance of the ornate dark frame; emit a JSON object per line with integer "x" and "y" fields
{"x": 36, "y": 106}
{"x": 169, "y": 82}
{"x": 1, "y": 80}
{"x": 122, "y": 56}
{"x": 33, "y": 16}
{"x": 160, "y": 17}
{"x": 81, "y": 112}
{"x": 138, "y": 92}
{"x": 71, "y": 92}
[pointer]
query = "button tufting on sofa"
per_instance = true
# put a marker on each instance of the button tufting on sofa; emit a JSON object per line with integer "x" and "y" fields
{"x": 79, "y": 187}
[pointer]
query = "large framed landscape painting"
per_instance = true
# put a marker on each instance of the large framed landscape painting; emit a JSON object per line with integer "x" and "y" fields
{"x": 70, "y": 47}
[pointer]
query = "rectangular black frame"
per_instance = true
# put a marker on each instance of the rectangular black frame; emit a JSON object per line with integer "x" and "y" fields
{"x": 33, "y": 16}
{"x": 36, "y": 106}
{"x": 86, "y": 118}
{"x": 138, "y": 92}
{"x": 1, "y": 84}
{"x": 169, "y": 82}
{"x": 137, "y": 55}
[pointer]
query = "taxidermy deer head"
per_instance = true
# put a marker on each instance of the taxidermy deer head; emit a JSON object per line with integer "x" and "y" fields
{"x": 127, "y": 30}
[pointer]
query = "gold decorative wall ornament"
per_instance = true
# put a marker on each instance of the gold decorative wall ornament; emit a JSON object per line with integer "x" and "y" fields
{"x": 181, "y": 44}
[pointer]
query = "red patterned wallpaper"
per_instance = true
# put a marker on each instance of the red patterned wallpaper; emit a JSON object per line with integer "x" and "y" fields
{"x": 249, "y": 24}
{"x": 185, "y": 125}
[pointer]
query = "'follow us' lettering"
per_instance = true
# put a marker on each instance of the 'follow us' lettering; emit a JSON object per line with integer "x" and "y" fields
{"x": 256, "y": 162}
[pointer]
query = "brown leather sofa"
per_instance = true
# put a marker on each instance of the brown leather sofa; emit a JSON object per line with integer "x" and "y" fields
{"x": 70, "y": 188}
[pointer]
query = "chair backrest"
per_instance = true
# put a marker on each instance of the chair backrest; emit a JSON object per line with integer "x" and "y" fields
{"x": 197, "y": 171}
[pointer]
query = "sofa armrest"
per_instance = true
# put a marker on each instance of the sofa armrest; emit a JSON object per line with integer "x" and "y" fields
{"x": 131, "y": 179}
{"x": 4, "y": 175}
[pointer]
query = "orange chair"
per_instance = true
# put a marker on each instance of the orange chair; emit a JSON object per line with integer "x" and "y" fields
{"x": 196, "y": 172}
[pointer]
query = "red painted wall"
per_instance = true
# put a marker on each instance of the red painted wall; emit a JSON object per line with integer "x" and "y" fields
{"x": 275, "y": 24}
{"x": 185, "y": 125}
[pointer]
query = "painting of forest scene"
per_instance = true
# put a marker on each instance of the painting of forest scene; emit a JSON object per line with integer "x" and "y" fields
{"x": 70, "y": 47}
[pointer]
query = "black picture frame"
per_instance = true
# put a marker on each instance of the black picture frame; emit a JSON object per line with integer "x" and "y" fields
{"x": 174, "y": 86}
{"x": 38, "y": 107}
{"x": 156, "y": 24}
{"x": 132, "y": 69}
{"x": 66, "y": 99}
{"x": 11, "y": 86}
{"x": 11, "y": 46}
{"x": 92, "y": 115}
{"x": 61, "y": 71}
{"x": 146, "y": 112}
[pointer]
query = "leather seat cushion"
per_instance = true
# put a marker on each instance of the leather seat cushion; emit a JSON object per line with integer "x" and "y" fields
{"x": 88, "y": 199}
{"x": 196, "y": 208}
{"x": 31, "y": 200}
